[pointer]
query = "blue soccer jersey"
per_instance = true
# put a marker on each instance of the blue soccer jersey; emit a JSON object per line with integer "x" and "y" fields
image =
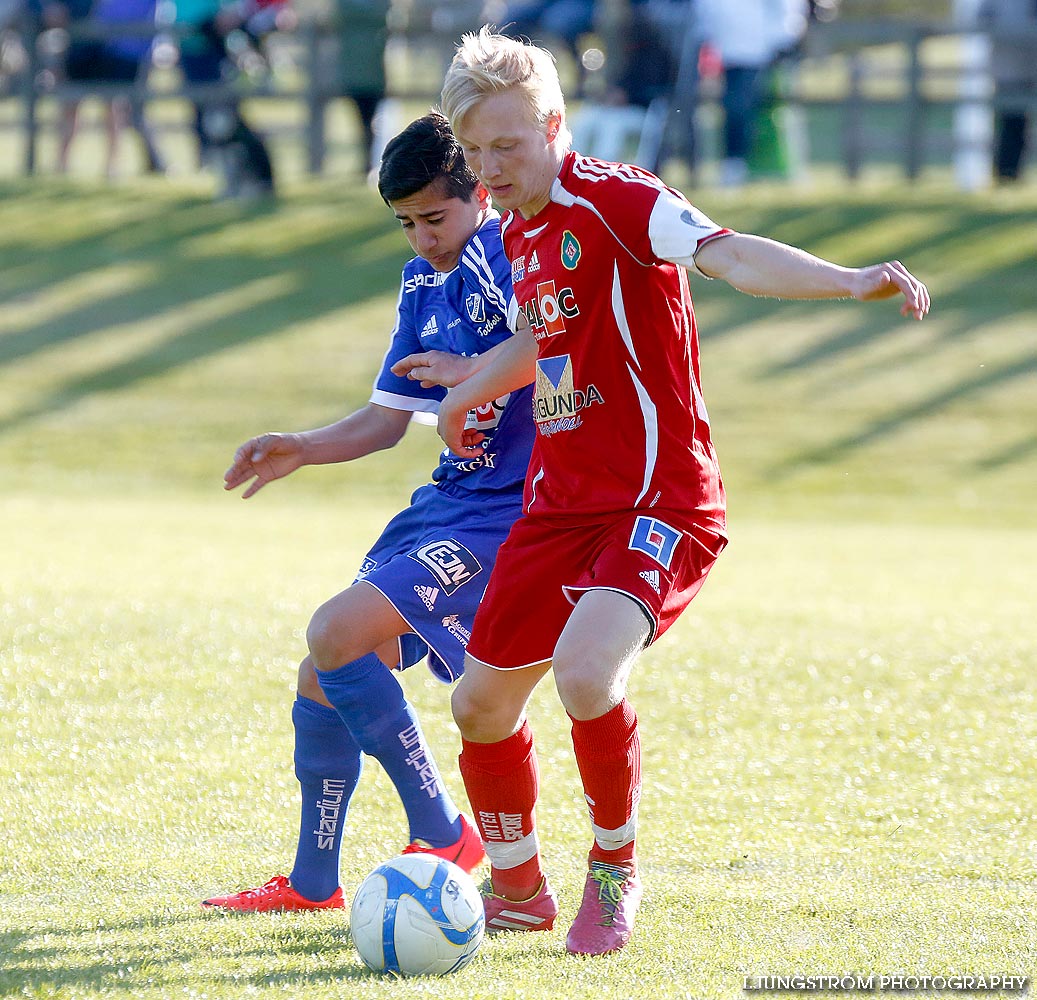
{"x": 464, "y": 311}
{"x": 433, "y": 559}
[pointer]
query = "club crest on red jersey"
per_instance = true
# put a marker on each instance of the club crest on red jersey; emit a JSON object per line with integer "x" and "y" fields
{"x": 571, "y": 250}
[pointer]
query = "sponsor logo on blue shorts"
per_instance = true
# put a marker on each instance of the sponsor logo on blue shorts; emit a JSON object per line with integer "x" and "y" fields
{"x": 449, "y": 562}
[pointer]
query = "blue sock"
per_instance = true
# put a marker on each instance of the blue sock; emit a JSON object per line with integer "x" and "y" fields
{"x": 327, "y": 764}
{"x": 372, "y": 704}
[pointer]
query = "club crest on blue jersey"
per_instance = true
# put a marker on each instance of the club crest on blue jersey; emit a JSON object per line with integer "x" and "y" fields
{"x": 655, "y": 538}
{"x": 449, "y": 562}
{"x": 476, "y": 307}
{"x": 366, "y": 567}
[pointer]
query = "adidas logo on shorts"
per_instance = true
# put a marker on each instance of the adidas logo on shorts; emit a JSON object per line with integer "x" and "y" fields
{"x": 428, "y": 596}
{"x": 651, "y": 577}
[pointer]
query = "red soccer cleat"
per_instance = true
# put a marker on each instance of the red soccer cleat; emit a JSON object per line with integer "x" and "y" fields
{"x": 276, "y": 895}
{"x": 466, "y": 852}
{"x": 534, "y": 914}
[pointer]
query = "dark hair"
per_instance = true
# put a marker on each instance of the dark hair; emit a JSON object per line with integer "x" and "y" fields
{"x": 425, "y": 151}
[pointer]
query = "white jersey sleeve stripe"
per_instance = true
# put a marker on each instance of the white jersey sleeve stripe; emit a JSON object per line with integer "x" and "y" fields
{"x": 394, "y": 401}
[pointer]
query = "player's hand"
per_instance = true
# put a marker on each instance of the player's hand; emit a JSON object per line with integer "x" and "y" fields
{"x": 264, "y": 459}
{"x": 451, "y": 426}
{"x": 884, "y": 281}
{"x": 434, "y": 368}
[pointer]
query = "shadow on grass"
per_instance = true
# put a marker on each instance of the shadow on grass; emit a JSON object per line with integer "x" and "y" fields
{"x": 191, "y": 264}
{"x": 998, "y": 284}
{"x": 334, "y": 256}
{"x": 55, "y": 960}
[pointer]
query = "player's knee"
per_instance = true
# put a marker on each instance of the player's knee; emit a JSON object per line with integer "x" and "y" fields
{"x": 584, "y": 694}
{"x": 585, "y": 680}
{"x": 465, "y": 711}
{"x": 323, "y": 639}
{"x": 479, "y": 719}
{"x": 484, "y": 715}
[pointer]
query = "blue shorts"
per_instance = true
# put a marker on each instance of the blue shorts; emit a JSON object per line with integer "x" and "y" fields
{"x": 432, "y": 563}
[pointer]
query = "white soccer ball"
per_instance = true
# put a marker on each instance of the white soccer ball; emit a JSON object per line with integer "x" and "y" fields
{"x": 417, "y": 915}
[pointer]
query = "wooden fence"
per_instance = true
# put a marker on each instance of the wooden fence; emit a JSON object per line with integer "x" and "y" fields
{"x": 917, "y": 73}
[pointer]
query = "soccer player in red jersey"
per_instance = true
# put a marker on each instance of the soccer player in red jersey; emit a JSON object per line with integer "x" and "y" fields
{"x": 624, "y": 503}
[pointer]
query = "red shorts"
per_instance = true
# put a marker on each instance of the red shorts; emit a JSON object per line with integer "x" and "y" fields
{"x": 546, "y": 563}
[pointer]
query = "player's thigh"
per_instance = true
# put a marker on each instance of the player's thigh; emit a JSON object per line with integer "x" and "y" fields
{"x": 489, "y": 703}
{"x": 596, "y": 651}
{"x": 357, "y": 621}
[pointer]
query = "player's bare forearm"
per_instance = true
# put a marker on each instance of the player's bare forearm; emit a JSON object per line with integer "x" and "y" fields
{"x": 371, "y": 428}
{"x": 262, "y": 459}
{"x": 759, "y": 266}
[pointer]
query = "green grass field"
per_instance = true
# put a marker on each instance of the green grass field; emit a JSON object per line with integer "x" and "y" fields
{"x": 840, "y": 735}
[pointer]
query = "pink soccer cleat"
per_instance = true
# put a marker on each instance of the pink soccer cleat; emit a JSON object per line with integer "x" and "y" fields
{"x": 606, "y": 917}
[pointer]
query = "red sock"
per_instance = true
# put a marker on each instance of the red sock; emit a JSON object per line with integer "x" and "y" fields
{"x": 608, "y": 754}
{"x": 502, "y": 780}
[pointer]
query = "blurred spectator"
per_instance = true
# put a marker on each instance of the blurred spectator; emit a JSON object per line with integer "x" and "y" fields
{"x": 550, "y": 21}
{"x": 360, "y": 67}
{"x": 225, "y": 139}
{"x": 13, "y": 59}
{"x": 748, "y": 37}
{"x": 640, "y": 72}
{"x": 1013, "y": 27}
{"x": 109, "y": 58}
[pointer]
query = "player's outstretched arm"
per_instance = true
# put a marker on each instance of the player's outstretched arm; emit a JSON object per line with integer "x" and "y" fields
{"x": 759, "y": 266}
{"x": 262, "y": 459}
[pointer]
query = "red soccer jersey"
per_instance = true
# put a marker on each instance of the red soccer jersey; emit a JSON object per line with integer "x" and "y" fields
{"x": 618, "y": 406}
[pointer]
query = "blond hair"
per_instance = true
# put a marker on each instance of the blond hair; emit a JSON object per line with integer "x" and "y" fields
{"x": 487, "y": 62}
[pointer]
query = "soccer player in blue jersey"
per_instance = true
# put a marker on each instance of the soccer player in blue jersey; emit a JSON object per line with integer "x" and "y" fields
{"x": 417, "y": 590}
